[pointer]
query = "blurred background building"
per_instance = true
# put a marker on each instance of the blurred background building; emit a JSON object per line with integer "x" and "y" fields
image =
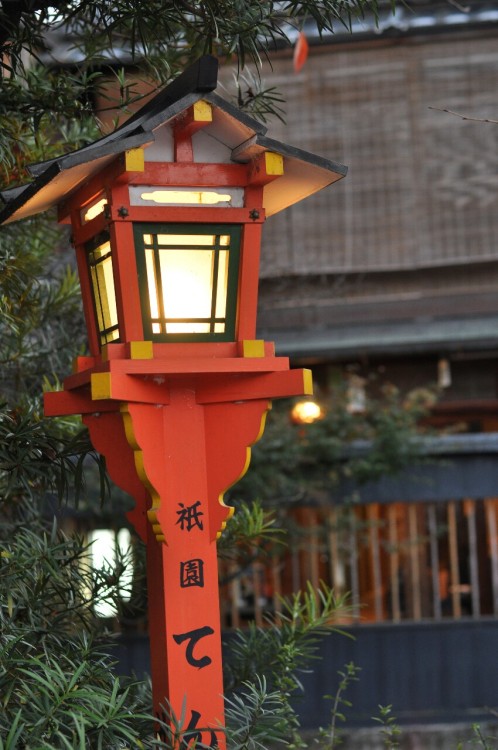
{"x": 393, "y": 274}
{"x": 397, "y": 267}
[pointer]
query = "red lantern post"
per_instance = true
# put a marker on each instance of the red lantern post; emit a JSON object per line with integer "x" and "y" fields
{"x": 166, "y": 216}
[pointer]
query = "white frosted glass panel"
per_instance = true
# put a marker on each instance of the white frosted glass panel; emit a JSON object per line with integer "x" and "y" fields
{"x": 221, "y": 290}
{"x": 152, "y": 283}
{"x": 187, "y": 281}
{"x": 204, "y": 240}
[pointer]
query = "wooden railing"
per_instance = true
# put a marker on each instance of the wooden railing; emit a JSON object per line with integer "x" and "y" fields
{"x": 400, "y": 561}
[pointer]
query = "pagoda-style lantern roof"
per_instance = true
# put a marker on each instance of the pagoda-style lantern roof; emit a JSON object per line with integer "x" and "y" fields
{"x": 228, "y": 136}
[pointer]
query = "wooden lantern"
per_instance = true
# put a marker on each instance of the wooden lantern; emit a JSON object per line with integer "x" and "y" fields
{"x": 166, "y": 216}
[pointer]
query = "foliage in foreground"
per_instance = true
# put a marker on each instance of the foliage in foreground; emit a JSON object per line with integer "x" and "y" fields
{"x": 45, "y": 110}
{"x": 57, "y": 686}
{"x": 58, "y": 689}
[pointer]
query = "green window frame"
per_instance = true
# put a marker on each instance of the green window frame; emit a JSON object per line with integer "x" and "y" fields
{"x": 188, "y": 280}
{"x": 100, "y": 270}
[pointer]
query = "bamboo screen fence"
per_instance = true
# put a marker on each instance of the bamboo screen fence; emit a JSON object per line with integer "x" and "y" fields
{"x": 422, "y": 184}
{"x": 398, "y": 561}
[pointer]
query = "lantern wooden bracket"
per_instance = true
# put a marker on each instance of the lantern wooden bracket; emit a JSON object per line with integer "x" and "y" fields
{"x": 230, "y": 396}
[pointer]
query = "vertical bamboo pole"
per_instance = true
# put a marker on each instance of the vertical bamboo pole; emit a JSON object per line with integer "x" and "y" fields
{"x": 490, "y": 506}
{"x": 470, "y": 513}
{"x": 394, "y": 564}
{"x": 277, "y": 588}
{"x": 434, "y": 555}
{"x": 314, "y": 551}
{"x": 257, "y": 593}
{"x": 414, "y": 562}
{"x": 334, "y": 562}
{"x": 373, "y": 532}
{"x": 353, "y": 561}
{"x": 454, "y": 566}
{"x": 234, "y": 597}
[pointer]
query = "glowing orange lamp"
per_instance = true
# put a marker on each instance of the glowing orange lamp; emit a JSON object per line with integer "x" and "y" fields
{"x": 166, "y": 215}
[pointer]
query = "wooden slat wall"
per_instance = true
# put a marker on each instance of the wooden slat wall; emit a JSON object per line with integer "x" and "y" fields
{"x": 491, "y": 506}
{"x": 399, "y": 562}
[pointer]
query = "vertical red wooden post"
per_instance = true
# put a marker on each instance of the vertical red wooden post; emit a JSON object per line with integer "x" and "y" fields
{"x": 187, "y": 452}
{"x": 182, "y": 570}
{"x": 185, "y": 637}
{"x": 176, "y": 446}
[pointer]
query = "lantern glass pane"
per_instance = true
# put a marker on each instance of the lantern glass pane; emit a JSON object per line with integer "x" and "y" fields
{"x": 175, "y": 240}
{"x": 177, "y": 328}
{"x": 187, "y": 286}
{"x": 104, "y": 295}
{"x": 221, "y": 292}
{"x": 152, "y": 283}
{"x": 189, "y": 280}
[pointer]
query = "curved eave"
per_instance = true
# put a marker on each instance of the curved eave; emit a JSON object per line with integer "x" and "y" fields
{"x": 56, "y": 179}
{"x": 304, "y": 173}
{"x": 62, "y": 177}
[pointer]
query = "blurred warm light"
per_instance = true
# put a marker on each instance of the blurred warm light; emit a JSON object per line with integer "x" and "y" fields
{"x": 93, "y": 210}
{"x": 306, "y": 412}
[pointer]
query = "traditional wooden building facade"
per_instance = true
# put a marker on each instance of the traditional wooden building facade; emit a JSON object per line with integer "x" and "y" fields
{"x": 400, "y": 265}
{"x": 396, "y": 275}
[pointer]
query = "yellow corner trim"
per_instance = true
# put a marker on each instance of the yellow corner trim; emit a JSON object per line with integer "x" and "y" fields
{"x": 134, "y": 160}
{"x": 141, "y": 350}
{"x": 221, "y": 500}
{"x": 142, "y": 475}
{"x": 202, "y": 111}
{"x": 101, "y": 385}
{"x": 274, "y": 163}
{"x": 254, "y": 348}
{"x": 307, "y": 382}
